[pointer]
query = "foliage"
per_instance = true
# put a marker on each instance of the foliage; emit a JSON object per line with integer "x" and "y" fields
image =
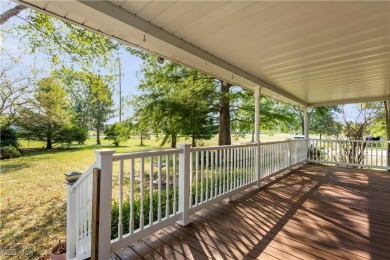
{"x": 56, "y": 38}
{"x": 274, "y": 116}
{"x": 322, "y": 121}
{"x": 101, "y": 103}
{"x": 8, "y": 137}
{"x": 9, "y": 152}
{"x": 175, "y": 100}
{"x": 16, "y": 88}
{"x": 380, "y": 123}
{"x": 74, "y": 133}
{"x": 117, "y": 133}
{"x": 367, "y": 116}
{"x": 47, "y": 117}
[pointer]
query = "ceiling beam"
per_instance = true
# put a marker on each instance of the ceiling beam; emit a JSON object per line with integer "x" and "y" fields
{"x": 349, "y": 101}
{"x": 136, "y": 22}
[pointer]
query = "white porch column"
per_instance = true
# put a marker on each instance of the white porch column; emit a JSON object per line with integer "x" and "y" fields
{"x": 257, "y": 94}
{"x": 306, "y": 123}
{"x": 306, "y": 130}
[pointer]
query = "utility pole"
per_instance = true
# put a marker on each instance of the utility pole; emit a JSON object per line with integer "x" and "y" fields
{"x": 120, "y": 91}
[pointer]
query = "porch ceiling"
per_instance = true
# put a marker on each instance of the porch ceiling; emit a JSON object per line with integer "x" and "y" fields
{"x": 308, "y": 53}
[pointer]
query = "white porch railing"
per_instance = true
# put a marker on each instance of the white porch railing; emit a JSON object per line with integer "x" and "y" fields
{"x": 357, "y": 153}
{"x": 144, "y": 192}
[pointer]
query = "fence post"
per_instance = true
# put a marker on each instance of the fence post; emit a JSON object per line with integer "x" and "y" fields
{"x": 258, "y": 164}
{"x": 104, "y": 162}
{"x": 71, "y": 214}
{"x": 96, "y": 183}
{"x": 184, "y": 184}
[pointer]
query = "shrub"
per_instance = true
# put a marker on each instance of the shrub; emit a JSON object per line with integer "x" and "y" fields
{"x": 117, "y": 133}
{"x": 8, "y": 137}
{"x": 9, "y": 152}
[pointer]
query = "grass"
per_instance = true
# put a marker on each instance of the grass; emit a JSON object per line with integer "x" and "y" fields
{"x": 33, "y": 193}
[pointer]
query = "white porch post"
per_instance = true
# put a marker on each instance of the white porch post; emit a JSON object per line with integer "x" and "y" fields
{"x": 306, "y": 122}
{"x": 306, "y": 129}
{"x": 184, "y": 184}
{"x": 257, "y": 94}
{"x": 104, "y": 162}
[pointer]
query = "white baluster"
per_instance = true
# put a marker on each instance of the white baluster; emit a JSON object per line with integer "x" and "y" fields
{"x": 120, "y": 180}
{"x": 151, "y": 191}
{"x": 141, "y": 216}
{"x": 131, "y": 221}
{"x": 167, "y": 186}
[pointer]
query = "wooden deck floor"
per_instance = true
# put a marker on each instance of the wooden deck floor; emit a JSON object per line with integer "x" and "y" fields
{"x": 314, "y": 212}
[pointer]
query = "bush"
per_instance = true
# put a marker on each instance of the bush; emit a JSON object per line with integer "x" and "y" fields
{"x": 9, "y": 152}
{"x": 8, "y": 137}
{"x": 117, "y": 133}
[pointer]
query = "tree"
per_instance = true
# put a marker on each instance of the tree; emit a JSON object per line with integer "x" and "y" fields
{"x": 56, "y": 38}
{"x": 224, "y": 115}
{"x": 90, "y": 97}
{"x": 47, "y": 118}
{"x": 117, "y": 133}
{"x": 380, "y": 123}
{"x": 138, "y": 127}
{"x": 273, "y": 115}
{"x": 322, "y": 121}
{"x": 16, "y": 89}
{"x": 175, "y": 100}
{"x": 101, "y": 103}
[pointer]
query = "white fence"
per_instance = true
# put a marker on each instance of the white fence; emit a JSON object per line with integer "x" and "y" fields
{"x": 358, "y": 153}
{"x": 144, "y": 192}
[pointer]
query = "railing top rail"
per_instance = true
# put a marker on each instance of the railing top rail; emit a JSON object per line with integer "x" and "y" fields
{"x": 221, "y": 147}
{"x": 342, "y": 140}
{"x": 83, "y": 176}
{"x": 279, "y": 142}
{"x": 124, "y": 156}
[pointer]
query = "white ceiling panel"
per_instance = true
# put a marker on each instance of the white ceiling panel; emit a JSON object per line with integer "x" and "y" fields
{"x": 308, "y": 52}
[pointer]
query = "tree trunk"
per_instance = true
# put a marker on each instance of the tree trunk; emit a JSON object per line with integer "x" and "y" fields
{"x": 253, "y": 136}
{"x": 11, "y": 13}
{"x": 98, "y": 136}
{"x": 49, "y": 144}
{"x": 142, "y": 139}
{"x": 173, "y": 141}
{"x": 193, "y": 141}
{"x": 224, "y": 115}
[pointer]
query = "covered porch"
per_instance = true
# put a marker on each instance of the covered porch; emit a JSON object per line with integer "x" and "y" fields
{"x": 308, "y": 54}
{"x": 312, "y": 212}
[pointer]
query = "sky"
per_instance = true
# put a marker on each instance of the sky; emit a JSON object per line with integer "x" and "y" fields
{"x": 16, "y": 47}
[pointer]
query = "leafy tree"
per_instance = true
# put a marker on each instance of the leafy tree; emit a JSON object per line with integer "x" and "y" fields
{"x": 8, "y": 137}
{"x": 273, "y": 115}
{"x": 90, "y": 97}
{"x": 322, "y": 121}
{"x": 56, "y": 38}
{"x": 117, "y": 133}
{"x": 101, "y": 103}
{"x": 47, "y": 117}
{"x": 175, "y": 100}
{"x": 16, "y": 88}
{"x": 380, "y": 125}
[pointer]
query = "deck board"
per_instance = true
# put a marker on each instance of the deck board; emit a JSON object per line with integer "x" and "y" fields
{"x": 314, "y": 212}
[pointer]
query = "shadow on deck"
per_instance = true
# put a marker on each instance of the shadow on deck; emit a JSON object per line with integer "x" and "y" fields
{"x": 313, "y": 212}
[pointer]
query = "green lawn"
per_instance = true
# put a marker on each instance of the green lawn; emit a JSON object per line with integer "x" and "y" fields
{"x": 33, "y": 192}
